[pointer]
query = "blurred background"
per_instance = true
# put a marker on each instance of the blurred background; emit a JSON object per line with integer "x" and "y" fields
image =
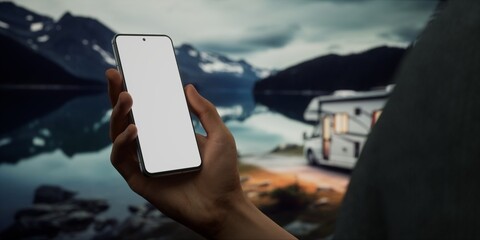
{"x": 260, "y": 62}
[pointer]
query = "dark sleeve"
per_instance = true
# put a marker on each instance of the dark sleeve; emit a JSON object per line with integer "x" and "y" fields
{"x": 418, "y": 175}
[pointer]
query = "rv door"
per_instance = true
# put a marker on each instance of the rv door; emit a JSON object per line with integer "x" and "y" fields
{"x": 326, "y": 137}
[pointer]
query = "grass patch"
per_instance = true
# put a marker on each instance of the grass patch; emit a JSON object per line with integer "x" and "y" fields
{"x": 289, "y": 149}
{"x": 244, "y": 167}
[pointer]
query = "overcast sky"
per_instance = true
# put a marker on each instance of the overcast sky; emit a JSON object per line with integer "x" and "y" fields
{"x": 268, "y": 33}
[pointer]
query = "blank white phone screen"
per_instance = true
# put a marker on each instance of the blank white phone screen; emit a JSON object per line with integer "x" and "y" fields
{"x": 165, "y": 132}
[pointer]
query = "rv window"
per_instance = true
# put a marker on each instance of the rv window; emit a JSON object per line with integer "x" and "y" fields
{"x": 341, "y": 123}
{"x": 358, "y": 111}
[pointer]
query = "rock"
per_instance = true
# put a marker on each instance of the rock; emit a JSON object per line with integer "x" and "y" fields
{"x": 90, "y": 205}
{"x": 320, "y": 202}
{"x": 66, "y": 221}
{"x": 133, "y": 209}
{"x": 34, "y": 211}
{"x": 329, "y": 237}
{"x": 52, "y": 194}
{"x": 252, "y": 194}
{"x": 138, "y": 210}
{"x": 300, "y": 228}
{"x": 244, "y": 179}
{"x": 264, "y": 183}
{"x": 146, "y": 211}
{"x": 144, "y": 222}
{"x": 288, "y": 149}
{"x": 324, "y": 188}
{"x": 263, "y": 193}
{"x": 155, "y": 214}
{"x": 102, "y": 225}
{"x": 76, "y": 221}
{"x": 55, "y": 212}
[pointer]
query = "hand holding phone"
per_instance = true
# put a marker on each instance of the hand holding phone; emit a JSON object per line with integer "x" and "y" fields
{"x": 196, "y": 199}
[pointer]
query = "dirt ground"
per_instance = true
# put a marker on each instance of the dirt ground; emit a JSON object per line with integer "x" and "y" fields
{"x": 302, "y": 207}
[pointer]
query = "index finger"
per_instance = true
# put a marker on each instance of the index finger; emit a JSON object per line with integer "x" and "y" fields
{"x": 115, "y": 85}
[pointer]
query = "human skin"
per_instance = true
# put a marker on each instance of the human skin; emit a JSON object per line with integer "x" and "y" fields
{"x": 209, "y": 201}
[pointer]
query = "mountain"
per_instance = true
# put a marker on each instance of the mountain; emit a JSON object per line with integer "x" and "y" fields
{"x": 76, "y": 44}
{"x": 360, "y": 72}
{"x": 216, "y": 72}
{"x": 82, "y": 46}
{"x": 31, "y": 77}
{"x": 21, "y": 99}
{"x": 290, "y": 90}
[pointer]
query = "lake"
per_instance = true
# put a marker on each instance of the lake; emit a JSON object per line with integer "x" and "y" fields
{"x": 66, "y": 144}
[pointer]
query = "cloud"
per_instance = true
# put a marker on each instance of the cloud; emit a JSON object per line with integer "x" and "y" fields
{"x": 402, "y": 34}
{"x": 255, "y": 39}
{"x": 334, "y": 1}
{"x": 270, "y": 33}
{"x": 275, "y": 36}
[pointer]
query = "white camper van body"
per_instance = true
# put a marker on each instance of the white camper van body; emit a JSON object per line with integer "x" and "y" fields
{"x": 344, "y": 121}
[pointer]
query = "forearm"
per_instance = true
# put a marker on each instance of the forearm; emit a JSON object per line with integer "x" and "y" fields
{"x": 246, "y": 221}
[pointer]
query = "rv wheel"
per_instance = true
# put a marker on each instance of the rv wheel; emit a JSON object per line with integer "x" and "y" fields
{"x": 311, "y": 158}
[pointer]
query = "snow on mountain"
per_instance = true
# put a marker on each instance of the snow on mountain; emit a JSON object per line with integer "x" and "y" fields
{"x": 4, "y": 25}
{"x": 43, "y": 38}
{"x": 35, "y": 27}
{"x": 212, "y": 71}
{"x": 211, "y": 63}
{"x": 263, "y": 72}
{"x": 107, "y": 56}
{"x": 193, "y": 53}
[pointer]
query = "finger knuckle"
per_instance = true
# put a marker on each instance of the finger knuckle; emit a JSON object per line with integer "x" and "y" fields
{"x": 208, "y": 109}
{"x": 113, "y": 159}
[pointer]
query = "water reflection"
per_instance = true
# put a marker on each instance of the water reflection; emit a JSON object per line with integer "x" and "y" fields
{"x": 80, "y": 125}
{"x": 22, "y": 105}
{"x": 70, "y": 147}
{"x": 290, "y": 103}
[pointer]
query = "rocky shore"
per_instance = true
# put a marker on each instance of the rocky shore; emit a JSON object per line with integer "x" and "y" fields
{"x": 146, "y": 222}
{"x": 57, "y": 214}
{"x": 54, "y": 212}
{"x": 305, "y": 209}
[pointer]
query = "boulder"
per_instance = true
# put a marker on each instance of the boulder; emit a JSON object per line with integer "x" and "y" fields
{"x": 52, "y": 194}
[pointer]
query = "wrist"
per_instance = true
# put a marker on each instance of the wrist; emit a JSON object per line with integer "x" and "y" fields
{"x": 240, "y": 210}
{"x": 218, "y": 214}
{"x": 243, "y": 220}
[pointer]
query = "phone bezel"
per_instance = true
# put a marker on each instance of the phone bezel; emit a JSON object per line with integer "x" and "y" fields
{"x": 131, "y": 115}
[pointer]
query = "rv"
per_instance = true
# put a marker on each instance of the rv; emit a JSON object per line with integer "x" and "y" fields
{"x": 344, "y": 120}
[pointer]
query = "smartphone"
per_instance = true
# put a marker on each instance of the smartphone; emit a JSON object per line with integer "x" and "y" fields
{"x": 166, "y": 142}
